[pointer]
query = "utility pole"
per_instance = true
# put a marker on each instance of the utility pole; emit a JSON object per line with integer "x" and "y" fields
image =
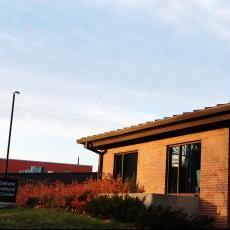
{"x": 10, "y": 131}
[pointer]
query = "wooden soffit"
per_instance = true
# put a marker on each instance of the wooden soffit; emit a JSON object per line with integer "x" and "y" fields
{"x": 187, "y": 121}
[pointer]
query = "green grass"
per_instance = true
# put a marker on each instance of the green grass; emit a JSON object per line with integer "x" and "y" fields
{"x": 45, "y": 218}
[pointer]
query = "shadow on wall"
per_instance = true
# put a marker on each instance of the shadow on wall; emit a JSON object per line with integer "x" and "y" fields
{"x": 192, "y": 205}
{"x": 209, "y": 209}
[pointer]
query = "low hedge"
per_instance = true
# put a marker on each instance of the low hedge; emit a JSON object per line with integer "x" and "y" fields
{"x": 127, "y": 209}
{"x": 115, "y": 207}
{"x": 73, "y": 196}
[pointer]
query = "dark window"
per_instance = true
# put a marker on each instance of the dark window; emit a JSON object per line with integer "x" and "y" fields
{"x": 173, "y": 169}
{"x": 118, "y": 166}
{"x": 184, "y": 168}
{"x": 125, "y": 166}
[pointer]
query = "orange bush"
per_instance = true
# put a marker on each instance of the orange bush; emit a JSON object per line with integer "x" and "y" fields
{"x": 70, "y": 196}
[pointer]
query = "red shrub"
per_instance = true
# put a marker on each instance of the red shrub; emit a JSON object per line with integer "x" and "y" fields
{"x": 70, "y": 196}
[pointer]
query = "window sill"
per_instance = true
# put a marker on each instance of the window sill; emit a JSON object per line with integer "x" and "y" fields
{"x": 184, "y": 194}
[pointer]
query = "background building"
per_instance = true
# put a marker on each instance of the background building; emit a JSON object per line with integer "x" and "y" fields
{"x": 17, "y": 166}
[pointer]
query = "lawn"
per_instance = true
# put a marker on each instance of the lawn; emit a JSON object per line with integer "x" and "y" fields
{"x": 45, "y": 218}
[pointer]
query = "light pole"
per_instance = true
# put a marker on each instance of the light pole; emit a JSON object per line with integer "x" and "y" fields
{"x": 9, "y": 139}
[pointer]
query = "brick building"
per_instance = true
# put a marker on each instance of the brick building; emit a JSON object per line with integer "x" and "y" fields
{"x": 16, "y": 166}
{"x": 182, "y": 158}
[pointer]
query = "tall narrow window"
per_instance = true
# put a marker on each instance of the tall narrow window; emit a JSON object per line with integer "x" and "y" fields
{"x": 125, "y": 166}
{"x": 118, "y": 165}
{"x": 130, "y": 167}
{"x": 184, "y": 168}
{"x": 173, "y": 169}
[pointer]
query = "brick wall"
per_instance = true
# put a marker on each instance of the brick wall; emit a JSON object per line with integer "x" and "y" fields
{"x": 151, "y": 172}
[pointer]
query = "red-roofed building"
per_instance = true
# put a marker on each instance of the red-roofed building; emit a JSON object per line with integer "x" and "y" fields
{"x": 16, "y": 166}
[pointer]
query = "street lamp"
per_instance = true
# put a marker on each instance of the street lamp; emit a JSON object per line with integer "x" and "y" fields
{"x": 9, "y": 139}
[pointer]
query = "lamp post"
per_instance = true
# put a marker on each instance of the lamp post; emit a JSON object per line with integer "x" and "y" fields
{"x": 9, "y": 139}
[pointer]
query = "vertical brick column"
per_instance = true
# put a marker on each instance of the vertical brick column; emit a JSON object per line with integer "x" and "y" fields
{"x": 214, "y": 177}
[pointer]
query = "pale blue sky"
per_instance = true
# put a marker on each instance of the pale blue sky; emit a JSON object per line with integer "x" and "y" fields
{"x": 89, "y": 66}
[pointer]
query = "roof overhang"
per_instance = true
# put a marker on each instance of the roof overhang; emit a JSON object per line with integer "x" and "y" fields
{"x": 198, "y": 120}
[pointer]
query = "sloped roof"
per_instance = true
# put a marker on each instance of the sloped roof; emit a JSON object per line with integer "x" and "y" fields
{"x": 222, "y": 111}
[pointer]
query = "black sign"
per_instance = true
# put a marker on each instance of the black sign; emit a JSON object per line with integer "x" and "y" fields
{"x": 8, "y": 190}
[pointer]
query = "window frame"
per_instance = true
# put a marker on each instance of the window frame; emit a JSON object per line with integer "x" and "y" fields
{"x": 178, "y": 177}
{"x": 123, "y": 157}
